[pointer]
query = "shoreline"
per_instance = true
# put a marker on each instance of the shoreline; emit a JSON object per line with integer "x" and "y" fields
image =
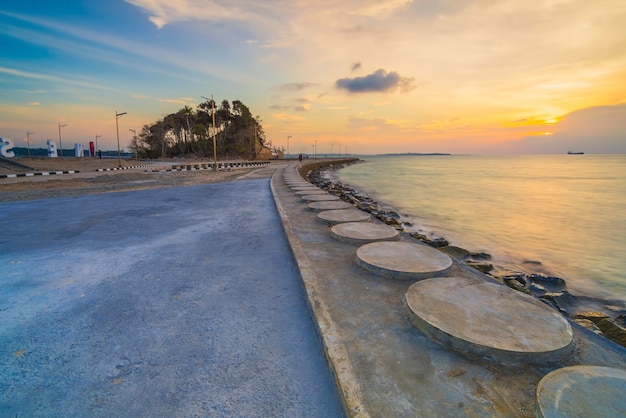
{"x": 604, "y": 316}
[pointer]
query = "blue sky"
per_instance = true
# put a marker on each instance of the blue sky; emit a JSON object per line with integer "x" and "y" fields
{"x": 467, "y": 76}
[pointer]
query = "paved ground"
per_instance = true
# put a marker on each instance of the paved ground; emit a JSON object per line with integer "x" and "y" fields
{"x": 116, "y": 304}
{"x": 167, "y": 302}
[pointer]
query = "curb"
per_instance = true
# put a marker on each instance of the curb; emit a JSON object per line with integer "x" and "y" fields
{"x": 39, "y": 173}
{"x": 121, "y": 168}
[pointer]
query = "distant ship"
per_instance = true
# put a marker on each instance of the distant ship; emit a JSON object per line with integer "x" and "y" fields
{"x": 575, "y": 153}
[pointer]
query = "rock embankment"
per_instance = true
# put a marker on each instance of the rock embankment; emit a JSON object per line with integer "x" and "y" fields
{"x": 604, "y": 317}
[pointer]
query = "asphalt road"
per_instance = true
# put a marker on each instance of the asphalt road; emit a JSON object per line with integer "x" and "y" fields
{"x": 170, "y": 302}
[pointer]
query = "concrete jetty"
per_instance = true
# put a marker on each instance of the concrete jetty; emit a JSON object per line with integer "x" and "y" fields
{"x": 386, "y": 366}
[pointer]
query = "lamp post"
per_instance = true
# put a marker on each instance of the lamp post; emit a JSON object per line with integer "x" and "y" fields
{"x": 61, "y": 142}
{"x": 134, "y": 142}
{"x": 117, "y": 129}
{"x": 97, "y": 136}
{"x": 288, "y": 136}
{"x": 28, "y": 134}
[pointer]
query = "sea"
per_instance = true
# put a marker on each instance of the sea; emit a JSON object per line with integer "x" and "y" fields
{"x": 558, "y": 215}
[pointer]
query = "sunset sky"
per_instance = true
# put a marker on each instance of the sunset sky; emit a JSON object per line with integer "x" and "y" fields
{"x": 356, "y": 76}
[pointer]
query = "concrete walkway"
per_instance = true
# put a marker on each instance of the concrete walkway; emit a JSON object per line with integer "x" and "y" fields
{"x": 173, "y": 302}
{"x": 385, "y": 366}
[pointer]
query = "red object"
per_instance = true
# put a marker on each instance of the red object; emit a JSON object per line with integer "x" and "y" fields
{"x": 92, "y": 149}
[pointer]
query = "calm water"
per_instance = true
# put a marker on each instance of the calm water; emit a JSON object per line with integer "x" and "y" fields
{"x": 566, "y": 211}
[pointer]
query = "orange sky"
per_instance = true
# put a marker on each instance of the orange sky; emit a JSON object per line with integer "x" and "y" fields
{"x": 359, "y": 76}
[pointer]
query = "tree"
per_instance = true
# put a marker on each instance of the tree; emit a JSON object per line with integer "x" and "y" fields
{"x": 238, "y": 133}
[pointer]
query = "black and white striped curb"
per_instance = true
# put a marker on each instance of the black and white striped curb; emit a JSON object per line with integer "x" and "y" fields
{"x": 121, "y": 168}
{"x": 210, "y": 166}
{"x": 39, "y": 173}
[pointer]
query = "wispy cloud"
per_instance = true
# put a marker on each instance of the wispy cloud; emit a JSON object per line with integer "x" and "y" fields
{"x": 110, "y": 48}
{"x": 57, "y": 79}
{"x": 182, "y": 100}
{"x": 378, "y": 81}
{"x": 294, "y": 86}
{"x": 287, "y": 117}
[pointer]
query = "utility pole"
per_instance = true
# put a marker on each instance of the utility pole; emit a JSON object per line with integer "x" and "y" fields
{"x": 28, "y": 134}
{"x": 61, "y": 142}
{"x": 214, "y": 132}
{"x": 134, "y": 141}
{"x": 117, "y": 129}
{"x": 97, "y": 136}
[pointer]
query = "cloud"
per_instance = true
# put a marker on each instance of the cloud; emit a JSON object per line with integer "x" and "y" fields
{"x": 355, "y": 66}
{"x": 34, "y": 103}
{"x": 378, "y": 81}
{"x": 285, "y": 116}
{"x": 182, "y": 100}
{"x": 295, "y": 86}
{"x": 595, "y": 130}
{"x": 165, "y": 12}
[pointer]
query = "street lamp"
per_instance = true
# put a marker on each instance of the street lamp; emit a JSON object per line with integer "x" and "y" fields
{"x": 288, "y": 136}
{"x": 60, "y": 142}
{"x": 117, "y": 129}
{"x": 97, "y": 136}
{"x": 134, "y": 141}
{"x": 28, "y": 134}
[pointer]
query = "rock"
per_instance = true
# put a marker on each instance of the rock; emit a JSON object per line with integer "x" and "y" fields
{"x": 612, "y": 331}
{"x": 519, "y": 277}
{"x": 585, "y": 323}
{"x": 564, "y": 301}
{"x": 456, "y": 252}
{"x": 533, "y": 262}
{"x": 516, "y": 285}
{"x": 435, "y": 242}
{"x": 592, "y": 316}
{"x": 482, "y": 267}
{"x": 537, "y": 288}
{"x": 480, "y": 256}
{"x": 554, "y": 284}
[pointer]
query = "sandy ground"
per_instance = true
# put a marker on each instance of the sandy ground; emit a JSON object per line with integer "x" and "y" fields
{"x": 88, "y": 180}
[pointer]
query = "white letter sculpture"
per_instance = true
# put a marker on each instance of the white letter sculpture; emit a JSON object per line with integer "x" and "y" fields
{"x": 5, "y": 148}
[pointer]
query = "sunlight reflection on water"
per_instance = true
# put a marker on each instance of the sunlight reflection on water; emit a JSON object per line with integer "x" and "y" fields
{"x": 566, "y": 211}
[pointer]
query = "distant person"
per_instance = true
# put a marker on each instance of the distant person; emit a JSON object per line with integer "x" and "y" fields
{"x": 300, "y": 157}
{"x": 100, "y": 153}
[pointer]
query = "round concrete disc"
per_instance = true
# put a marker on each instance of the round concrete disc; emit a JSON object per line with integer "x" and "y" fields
{"x": 330, "y": 205}
{"x": 488, "y": 320}
{"x": 298, "y": 188}
{"x": 403, "y": 260}
{"x": 582, "y": 391}
{"x": 311, "y": 192}
{"x": 320, "y": 197}
{"x": 363, "y": 232}
{"x": 343, "y": 215}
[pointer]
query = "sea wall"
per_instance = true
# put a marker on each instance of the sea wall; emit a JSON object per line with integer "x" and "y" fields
{"x": 604, "y": 317}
